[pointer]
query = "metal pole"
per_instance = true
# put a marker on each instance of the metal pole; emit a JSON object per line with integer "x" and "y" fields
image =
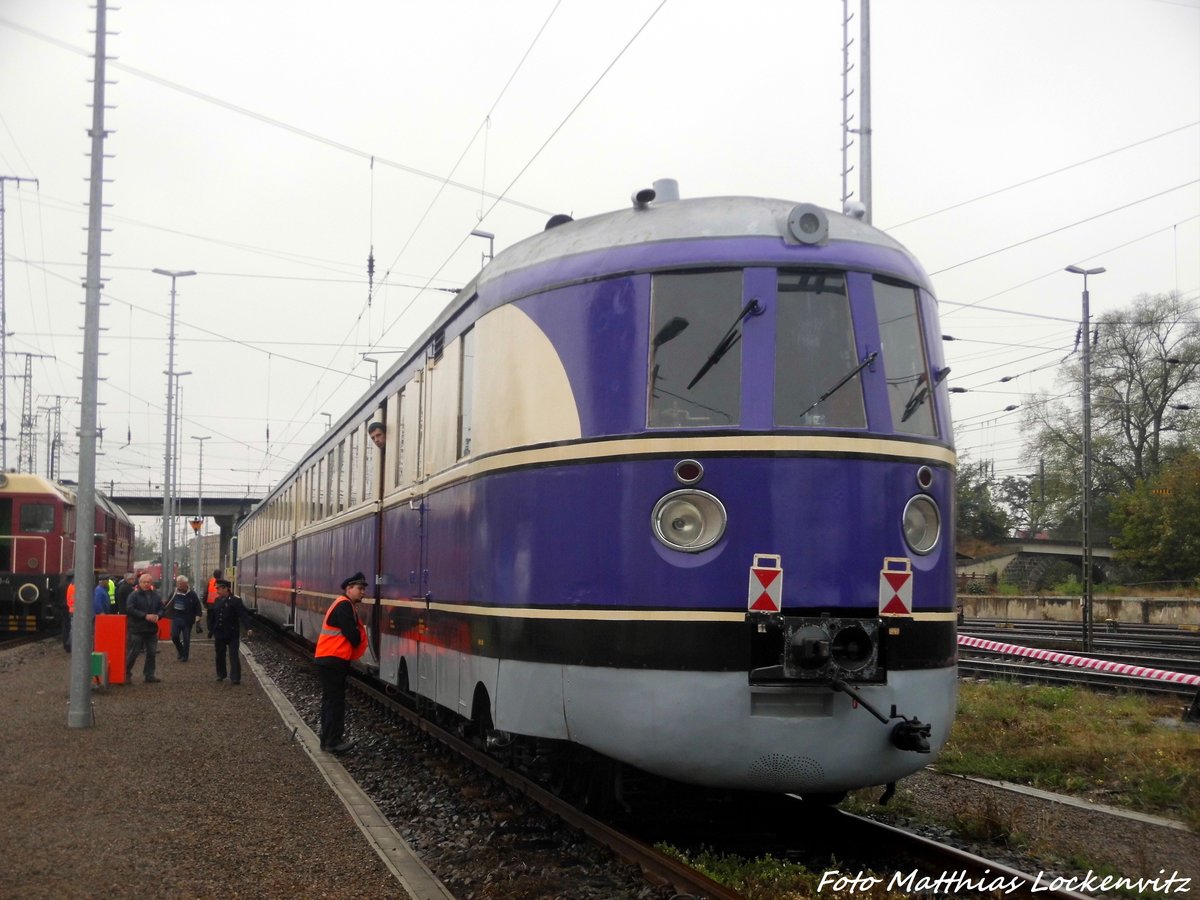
{"x": 79, "y": 707}
{"x": 1086, "y": 500}
{"x": 197, "y": 571}
{"x": 4, "y": 329}
{"x": 169, "y": 442}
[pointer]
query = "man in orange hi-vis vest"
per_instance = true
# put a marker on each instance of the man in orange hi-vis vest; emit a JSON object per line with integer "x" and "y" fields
{"x": 70, "y": 601}
{"x": 343, "y": 639}
{"x": 210, "y": 600}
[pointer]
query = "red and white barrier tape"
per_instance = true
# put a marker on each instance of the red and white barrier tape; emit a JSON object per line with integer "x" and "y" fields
{"x": 1086, "y": 662}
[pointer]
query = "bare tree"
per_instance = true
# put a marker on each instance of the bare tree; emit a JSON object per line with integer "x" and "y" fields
{"x": 1144, "y": 364}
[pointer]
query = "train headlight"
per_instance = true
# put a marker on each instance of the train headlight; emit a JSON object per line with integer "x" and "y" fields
{"x": 688, "y": 520}
{"x": 922, "y": 524}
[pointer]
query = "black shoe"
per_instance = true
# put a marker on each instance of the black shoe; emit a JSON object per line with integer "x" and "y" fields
{"x": 341, "y": 747}
{"x": 150, "y": 679}
{"x": 234, "y": 683}
{"x": 220, "y": 678}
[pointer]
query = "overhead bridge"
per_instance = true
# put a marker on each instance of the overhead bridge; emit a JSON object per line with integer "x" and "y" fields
{"x": 226, "y": 505}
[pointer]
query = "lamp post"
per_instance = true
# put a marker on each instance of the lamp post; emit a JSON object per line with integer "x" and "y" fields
{"x": 169, "y": 443}
{"x": 1086, "y": 501}
{"x": 368, "y": 358}
{"x": 198, "y": 522}
{"x": 491, "y": 239}
{"x": 176, "y": 500}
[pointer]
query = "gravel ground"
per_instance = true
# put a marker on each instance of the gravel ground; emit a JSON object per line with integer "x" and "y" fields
{"x": 188, "y": 788}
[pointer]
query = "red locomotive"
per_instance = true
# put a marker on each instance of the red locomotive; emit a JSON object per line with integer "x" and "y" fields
{"x": 37, "y": 548}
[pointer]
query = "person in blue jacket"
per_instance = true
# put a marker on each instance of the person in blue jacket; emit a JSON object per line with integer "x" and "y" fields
{"x": 100, "y": 597}
{"x": 184, "y": 609}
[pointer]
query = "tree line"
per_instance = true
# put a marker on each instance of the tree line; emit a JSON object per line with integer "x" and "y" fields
{"x": 1145, "y": 448}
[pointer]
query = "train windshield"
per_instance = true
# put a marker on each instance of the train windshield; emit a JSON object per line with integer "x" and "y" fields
{"x": 908, "y": 383}
{"x": 37, "y": 518}
{"x": 696, "y": 351}
{"x": 817, "y": 374}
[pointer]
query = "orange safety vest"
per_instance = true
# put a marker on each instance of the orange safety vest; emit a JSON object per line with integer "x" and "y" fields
{"x": 211, "y": 597}
{"x": 71, "y": 598}
{"x": 333, "y": 643}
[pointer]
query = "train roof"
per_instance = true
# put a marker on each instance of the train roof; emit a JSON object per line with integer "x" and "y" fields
{"x": 677, "y": 220}
{"x": 25, "y": 483}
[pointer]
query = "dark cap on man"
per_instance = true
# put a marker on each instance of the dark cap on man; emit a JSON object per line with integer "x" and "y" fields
{"x": 356, "y": 578}
{"x": 223, "y": 583}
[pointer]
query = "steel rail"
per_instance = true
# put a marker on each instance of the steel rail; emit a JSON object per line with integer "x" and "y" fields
{"x": 865, "y": 832}
{"x": 1047, "y": 673}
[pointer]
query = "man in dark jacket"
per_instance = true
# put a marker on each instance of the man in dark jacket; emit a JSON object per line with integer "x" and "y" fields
{"x": 228, "y": 613}
{"x": 184, "y": 609}
{"x": 127, "y": 586}
{"x": 144, "y": 607}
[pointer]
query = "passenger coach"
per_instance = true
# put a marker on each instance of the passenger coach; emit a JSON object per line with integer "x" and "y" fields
{"x": 673, "y": 484}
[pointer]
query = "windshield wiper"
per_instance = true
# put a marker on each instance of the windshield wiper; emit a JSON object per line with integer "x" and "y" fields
{"x": 732, "y": 336}
{"x": 921, "y": 393}
{"x": 870, "y": 358}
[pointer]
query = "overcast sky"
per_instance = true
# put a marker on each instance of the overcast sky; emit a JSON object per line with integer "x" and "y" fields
{"x": 1011, "y": 138}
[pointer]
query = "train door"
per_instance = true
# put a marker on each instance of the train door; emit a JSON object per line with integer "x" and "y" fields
{"x": 418, "y": 512}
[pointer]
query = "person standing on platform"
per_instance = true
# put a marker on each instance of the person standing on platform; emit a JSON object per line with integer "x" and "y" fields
{"x": 111, "y": 586}
{"x": 210, "y": 599}
{"x": 184, "y": 609}
{"x": 228, "y": 614}
{"x": 100, "y": 597}
{"x": 124, "y": 589}
{"x": 69, "y": 604}
{"x": 343, "y": 639}
{"x": 144, "y": 608}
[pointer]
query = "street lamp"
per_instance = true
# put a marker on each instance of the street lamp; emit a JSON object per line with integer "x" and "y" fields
{"x": 176, "y": 502}
{"x": 198, "y": 572}
{"x": 491, "y": 239}
{"x": 371, "y": 359}
{"x": 169, "y": 442}
{"x": 1086, "y": 502}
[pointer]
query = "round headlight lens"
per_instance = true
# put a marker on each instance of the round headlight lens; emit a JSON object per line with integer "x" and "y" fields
{"x": 922, "y": 524}
{"x": 688, "y": 520}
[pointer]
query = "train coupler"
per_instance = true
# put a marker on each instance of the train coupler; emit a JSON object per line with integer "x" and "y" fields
{"x": 912, "y": 735}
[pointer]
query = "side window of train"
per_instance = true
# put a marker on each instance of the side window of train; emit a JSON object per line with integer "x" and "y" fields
{"x": 904, "y": 359}
{"x": 815, "y": 352}
{"x": 695, "y": 370}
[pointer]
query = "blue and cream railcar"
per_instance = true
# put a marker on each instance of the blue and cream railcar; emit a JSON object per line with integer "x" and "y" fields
{"x": 673, "y": 483}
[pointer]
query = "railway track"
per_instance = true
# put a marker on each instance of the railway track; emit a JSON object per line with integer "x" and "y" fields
{"x": 14, "y": 641}
{"x": 1117, "y": 638}
{"x": 914, "y": 862}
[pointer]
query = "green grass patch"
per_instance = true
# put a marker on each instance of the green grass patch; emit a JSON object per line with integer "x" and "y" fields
{"x": 770, "y": 878}
{"x": 1125, "y": 750}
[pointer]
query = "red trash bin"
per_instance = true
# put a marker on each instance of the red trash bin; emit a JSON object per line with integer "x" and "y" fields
{"x": 164, "y": 629}
{"x": 110, "y": 640}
